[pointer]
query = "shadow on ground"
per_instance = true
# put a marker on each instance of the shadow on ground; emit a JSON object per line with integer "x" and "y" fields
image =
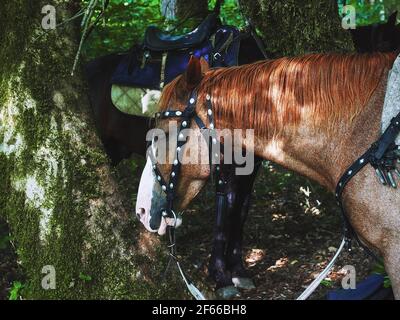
{"x": 293, "y": 229}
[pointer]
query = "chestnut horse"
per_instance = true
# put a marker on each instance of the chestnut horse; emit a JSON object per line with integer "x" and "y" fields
{"x": 314, "y": 115}
{"x": 116, "y": 130}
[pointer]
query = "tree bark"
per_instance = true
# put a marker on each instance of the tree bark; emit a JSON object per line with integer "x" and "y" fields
{"x": 191, "y": 8}
{"x": 65, "y": 207}
{"x": 296, "y": 27}
{"x": 63, "y": 203}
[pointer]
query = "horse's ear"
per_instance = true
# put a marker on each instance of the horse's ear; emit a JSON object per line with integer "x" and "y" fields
{"x": 204, "y": 65}
{"x": 193, "y": 73}
{"x": 392, "y": 19}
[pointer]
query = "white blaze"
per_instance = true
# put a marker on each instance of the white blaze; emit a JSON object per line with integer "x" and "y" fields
{"x": 151, "y": 197}
{"x": 145, "y": 194}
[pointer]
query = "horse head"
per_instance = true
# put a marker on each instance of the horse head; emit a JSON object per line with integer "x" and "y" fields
{"x": 164, "y": 156}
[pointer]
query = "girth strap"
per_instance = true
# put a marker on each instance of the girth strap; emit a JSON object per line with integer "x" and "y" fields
{"x": 382, "y": 156}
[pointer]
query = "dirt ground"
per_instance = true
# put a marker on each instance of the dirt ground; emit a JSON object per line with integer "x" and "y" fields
{"x": 293, "y": 229}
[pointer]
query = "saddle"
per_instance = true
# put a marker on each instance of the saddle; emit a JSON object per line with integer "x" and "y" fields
{"x": 157, "y": 40}
{"x": 162, "y": 57}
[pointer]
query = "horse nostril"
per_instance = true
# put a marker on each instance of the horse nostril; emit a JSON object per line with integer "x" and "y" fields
{"x": 140, "y": 213}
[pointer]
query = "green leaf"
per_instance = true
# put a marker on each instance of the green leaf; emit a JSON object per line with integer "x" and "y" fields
{"x": 327, "y": 283}
{"x": 387, "y": 283}
{"x": 85, "y": 277}
{"x": 15, "y": 290}
{"x": 379, "y": 268}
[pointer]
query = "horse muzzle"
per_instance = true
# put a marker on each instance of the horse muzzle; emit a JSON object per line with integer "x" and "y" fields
{"x": 158, "y": 222}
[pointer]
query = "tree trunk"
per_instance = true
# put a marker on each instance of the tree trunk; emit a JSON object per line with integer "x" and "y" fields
{"x": 297, "y": 27}
{"x": 58, "y": 194}
{"x": 191, "y": 8}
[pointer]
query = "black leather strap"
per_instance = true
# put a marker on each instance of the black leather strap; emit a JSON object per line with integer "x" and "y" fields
{"x": 377, "y": 155}
{"x": 388, "y": 137}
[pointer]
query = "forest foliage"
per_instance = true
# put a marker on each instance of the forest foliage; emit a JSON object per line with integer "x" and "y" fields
{"x": 125, "y": 21}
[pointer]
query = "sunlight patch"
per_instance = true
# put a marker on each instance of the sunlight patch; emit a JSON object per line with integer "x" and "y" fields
{"x": 36, "y": 197}
{"x": 44, "y": 224}
{"x": 12, "y": 142}
{"x": 34, "y": 192}
{"x": 254, "y": 256}
{"x": 58, "y": 100}
{"x": 280, "y": 263}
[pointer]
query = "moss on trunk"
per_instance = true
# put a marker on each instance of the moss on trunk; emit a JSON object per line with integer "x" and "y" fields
{"x": 191, "y": 8}
{"x": 57, "y": 192}
{"x": 296, "y": 27}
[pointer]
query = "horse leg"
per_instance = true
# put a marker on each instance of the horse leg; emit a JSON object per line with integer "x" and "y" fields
{"x": 237, "y": 221}
{"x": 224, "y": 206}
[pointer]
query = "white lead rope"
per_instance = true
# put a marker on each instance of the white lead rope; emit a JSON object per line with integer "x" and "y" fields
{"x": 195, "y": 292}
{"x": 311, "y": 288}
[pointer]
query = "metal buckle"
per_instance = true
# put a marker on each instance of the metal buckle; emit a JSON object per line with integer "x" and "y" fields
{"x": 217, "y": 55}
{"x": 145, "y": 58}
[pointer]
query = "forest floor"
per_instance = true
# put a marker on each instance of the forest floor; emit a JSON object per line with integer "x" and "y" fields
{"x": 293, "y": 229}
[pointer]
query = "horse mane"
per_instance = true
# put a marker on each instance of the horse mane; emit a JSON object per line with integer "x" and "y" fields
{"x": 268, "y": 95}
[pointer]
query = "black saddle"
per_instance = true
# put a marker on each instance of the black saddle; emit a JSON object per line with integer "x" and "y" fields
{"x": 157, "y": 40}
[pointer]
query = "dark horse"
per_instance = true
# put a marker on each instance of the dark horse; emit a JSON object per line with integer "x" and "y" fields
{"x": 124, "y": 134}
{"x": 384, "y": 37}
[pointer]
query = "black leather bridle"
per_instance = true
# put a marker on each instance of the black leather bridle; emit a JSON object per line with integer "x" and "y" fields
{"x": 169, "y": 187}
{"x": 186, "y": 116}
{"x": 382, "y": 155}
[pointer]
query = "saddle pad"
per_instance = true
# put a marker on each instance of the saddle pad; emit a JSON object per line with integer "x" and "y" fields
{"x": 135, "y": 101}
{"x": 149, "y": 75}
{"x": 226, "y": 41}
{"x": 365, "y": 290}
{"x": 391, "y": 106}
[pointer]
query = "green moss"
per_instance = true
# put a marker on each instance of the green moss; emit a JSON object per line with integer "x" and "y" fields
{"x": 297, "y": 27}
{"x": 70, "y": 185}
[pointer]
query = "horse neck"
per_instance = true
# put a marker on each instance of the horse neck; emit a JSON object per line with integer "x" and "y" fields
{"x": 321, "y": 155}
